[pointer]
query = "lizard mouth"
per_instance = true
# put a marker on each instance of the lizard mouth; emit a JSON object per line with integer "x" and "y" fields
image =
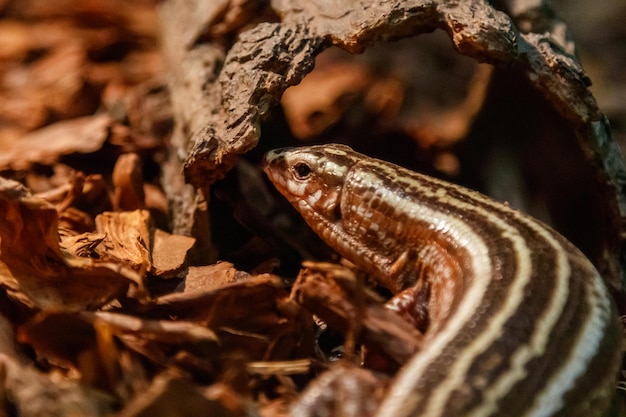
{"x": 273, "y": 165}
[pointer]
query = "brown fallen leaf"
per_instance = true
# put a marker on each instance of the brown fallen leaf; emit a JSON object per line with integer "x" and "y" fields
{"x": 127, "y": 238}
{"x": 37, "y": 86}
{"x": 159, "y": 330}
{"x": 331, "y": 292}
{"x": 131, "y": 240}
{"x": 87, "y": 331}
{"x": 66, "y": 340}
{"x": 81, "y": 245}
{"x": 210, "y": 277}
{"x": 169, "y": 253}
{"x": 35, "y": 394}
{"x": 173, "y": 395}
{"x": 30, "y": 393}
{"x": 253, "y": 315}
{"x": 87, "y": 349}
{"x": 298, "y": 366}
{"x": 254, "y": 321}
{"x": 46, "y": 145}
{"x": 128, "y": 182}
{"x": 35, "y": 270}
{"x": 73, "y": 221}
{"x": 77, "y": 197}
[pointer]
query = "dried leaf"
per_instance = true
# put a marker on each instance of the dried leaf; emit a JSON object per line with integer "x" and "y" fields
{"x": 81, "y": 245}
{"x": 73, "y": 221}
{"x": 254, "y": 316}
{"x": 169, "y": 253}
{"x": 128, "y": 182}
{"x": 210, "y": 277}
{"x": 88, "y": 349}
{"x": 87, "y": 330}
{"x": 330, "y": 292}
{"x": 131, "y": 240}
{"x": 36, "y": 271}
{"x": 127, "y": 238}
{"x": 46, "y": 145}
{"x": 298, "y": 366}
{"x": 161, "y": 330}
{"x": 33, "y": 393}
{"x": 172, "y": 395}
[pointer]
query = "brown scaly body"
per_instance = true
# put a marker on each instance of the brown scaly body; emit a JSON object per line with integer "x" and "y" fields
{"x": 521, "y": 323}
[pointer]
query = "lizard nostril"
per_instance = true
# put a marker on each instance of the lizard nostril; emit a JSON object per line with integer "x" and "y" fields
{"x": 273, "y": 155}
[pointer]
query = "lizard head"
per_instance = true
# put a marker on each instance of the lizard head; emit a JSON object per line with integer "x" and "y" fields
{"x": 312, "y": 177}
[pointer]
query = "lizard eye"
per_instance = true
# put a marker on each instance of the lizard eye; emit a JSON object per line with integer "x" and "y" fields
{"x": 302, "y": 171}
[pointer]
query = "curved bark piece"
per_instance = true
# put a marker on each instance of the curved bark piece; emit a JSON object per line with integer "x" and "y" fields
{"x": 259, "y": 67}
{"x": 270, "y": 57}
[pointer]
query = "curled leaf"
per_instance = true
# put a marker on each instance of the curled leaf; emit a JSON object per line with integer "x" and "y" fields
{"x": 35, "y": 270}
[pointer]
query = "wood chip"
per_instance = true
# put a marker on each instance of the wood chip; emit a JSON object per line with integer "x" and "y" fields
{"x": 84, "y": 135}
{"x": 127, "y": 238}
{"x": 36, "y": 272}
{"x": 169, "y": 253}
